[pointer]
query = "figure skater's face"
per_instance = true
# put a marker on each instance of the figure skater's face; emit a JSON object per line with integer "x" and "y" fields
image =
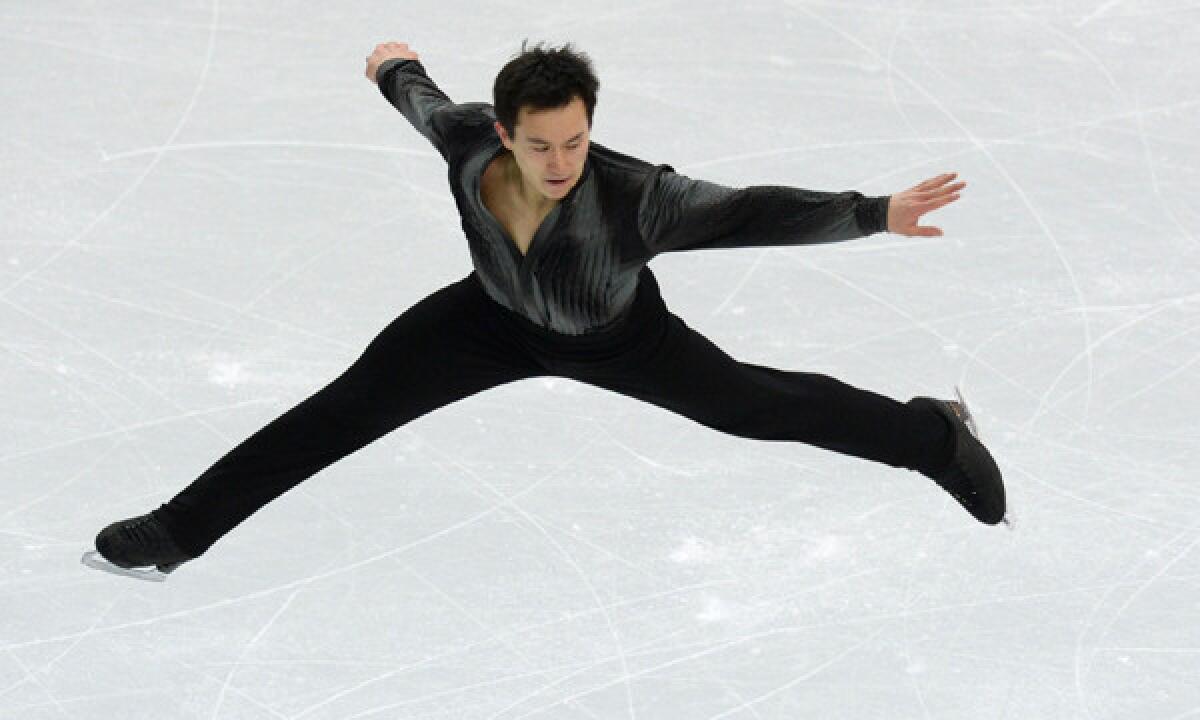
{"x": 549, "y": 145}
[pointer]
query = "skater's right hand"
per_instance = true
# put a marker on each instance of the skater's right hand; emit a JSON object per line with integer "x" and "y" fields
{"x": 387, "y": 51}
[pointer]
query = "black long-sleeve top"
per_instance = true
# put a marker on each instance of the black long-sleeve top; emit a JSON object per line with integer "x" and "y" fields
{"x": 581, "y": 269}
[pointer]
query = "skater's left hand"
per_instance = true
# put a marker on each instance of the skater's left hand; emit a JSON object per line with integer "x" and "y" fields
{"x": 905, "y": 208}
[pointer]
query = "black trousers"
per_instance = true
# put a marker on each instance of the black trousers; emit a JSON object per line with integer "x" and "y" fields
{"x": 457, "y": 342}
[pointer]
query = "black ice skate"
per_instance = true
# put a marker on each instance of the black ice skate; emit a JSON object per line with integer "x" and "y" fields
{"x": 972, "y": 477}
{"x": 137, "y": 547}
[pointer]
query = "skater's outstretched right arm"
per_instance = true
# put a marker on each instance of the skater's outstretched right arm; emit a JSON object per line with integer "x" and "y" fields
{"x": 403, "y": 81}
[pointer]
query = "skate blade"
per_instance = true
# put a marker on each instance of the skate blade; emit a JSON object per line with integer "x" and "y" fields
{"x": 1008, "y": 520}
{"x": 95, "y": 560}
{"x": 970, "y": 419}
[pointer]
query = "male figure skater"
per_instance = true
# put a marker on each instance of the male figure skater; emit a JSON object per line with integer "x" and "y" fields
{"x": 560, "y": 230}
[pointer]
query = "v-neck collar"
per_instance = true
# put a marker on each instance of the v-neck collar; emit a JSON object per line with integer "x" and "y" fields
{"x": 547, "y": 222}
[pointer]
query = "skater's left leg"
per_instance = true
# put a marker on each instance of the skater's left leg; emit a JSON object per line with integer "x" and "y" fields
{"x": 678, "y": 369}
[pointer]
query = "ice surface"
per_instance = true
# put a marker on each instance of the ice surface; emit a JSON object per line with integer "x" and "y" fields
{"x": 208, "y": 211}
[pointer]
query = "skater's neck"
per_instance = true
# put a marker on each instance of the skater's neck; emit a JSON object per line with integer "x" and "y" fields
{"x": 522, "y": 193}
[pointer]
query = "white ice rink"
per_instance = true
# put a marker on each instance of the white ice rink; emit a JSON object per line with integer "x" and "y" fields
{"x": 207, "y": 212}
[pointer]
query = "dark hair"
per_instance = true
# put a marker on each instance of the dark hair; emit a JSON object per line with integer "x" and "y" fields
{"x": 543, "y": 80}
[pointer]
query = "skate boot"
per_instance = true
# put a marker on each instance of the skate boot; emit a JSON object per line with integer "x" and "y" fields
{"x": 971, "y": 477}
{"x": 129, "y": 547}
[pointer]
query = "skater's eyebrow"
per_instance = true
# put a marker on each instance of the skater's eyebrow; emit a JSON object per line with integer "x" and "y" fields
{"x": 547, "y": 142}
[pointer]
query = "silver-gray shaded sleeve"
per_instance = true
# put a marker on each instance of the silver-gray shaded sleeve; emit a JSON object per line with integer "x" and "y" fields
{"x": 408, "y": 88}
{"x": 677, "y": 213}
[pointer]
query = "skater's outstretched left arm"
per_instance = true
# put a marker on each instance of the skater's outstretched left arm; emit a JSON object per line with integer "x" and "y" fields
{"x": 680, "y": 213}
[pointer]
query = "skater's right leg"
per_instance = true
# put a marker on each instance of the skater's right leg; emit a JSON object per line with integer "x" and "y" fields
{"x": 446, "y": 347}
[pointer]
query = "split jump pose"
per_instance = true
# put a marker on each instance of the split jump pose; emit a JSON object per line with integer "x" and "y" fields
{"x": 560, "y": 230}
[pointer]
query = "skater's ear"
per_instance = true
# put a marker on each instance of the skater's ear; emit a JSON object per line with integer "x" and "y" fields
{"x": 504, "y": 138}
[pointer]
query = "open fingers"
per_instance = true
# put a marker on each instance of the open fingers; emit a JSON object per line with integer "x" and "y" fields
{"x": 934, "y": 203}
{"x": 938, "y": 193}
{"x": 934, "y": 182}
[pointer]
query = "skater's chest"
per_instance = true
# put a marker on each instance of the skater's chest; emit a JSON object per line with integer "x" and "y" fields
{"x": 498, "y": 198}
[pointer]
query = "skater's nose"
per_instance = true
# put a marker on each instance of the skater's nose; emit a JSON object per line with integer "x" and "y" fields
{"x": 558, "y": 160}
